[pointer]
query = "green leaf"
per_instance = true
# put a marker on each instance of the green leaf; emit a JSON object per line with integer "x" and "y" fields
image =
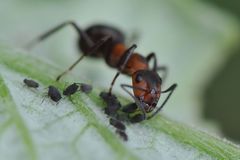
{"x": 78, "y": 128}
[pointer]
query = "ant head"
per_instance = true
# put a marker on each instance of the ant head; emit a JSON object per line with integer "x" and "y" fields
{"x": 147, "y": 88}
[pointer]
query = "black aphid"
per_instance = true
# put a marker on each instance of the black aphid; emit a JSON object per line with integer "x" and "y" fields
{"x": 113, "y": 105}
{"x": 71, "y": 89}
{"x": 117, "y": 124}
{"x": 122, "y": 134}
{"x": 86, "y": 88}
{"x": 54, "y": 94}
{"x": 130, "y": 108}
{"x": 31, "y": 83}
{"x": 137, "y": 118}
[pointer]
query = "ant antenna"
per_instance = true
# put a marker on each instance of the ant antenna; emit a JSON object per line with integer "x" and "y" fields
{"x": 139, "y": 104}
{"x": 170, "y": 89}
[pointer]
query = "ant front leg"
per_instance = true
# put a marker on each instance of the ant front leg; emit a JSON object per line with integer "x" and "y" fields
{"x": 131, "y": 108}
{"x": 170, "y": 90}
{"x": 157, "y": 68}
{"x": 122, "y": 64}
{"x": 92, "y": 50}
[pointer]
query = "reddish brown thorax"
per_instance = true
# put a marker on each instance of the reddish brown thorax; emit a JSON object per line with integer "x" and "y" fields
{"x": 134, "y": 63}
{"x": 116, "y": 54}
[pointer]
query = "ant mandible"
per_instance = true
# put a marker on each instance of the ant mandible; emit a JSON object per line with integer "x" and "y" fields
{"x": 109, "y": 43}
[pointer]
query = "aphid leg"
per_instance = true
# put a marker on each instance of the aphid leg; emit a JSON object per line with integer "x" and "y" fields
{"x": 122, "y": 64}
{"x": 156, "y": 67}
{"x": 138, "y": 103}
{"x": 93, "y": 49}
{"x": 45, "y": 96}
{"x": 57, "y": 28}
{"x": 170, "y": 90}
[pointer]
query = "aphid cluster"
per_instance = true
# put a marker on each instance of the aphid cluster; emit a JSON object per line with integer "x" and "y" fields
{"x": 102, "y": 41}
{"x": 112, "y": 104}
{"x": 54, "y": 94}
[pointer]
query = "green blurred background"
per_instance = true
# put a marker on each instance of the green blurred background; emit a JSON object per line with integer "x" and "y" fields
{"x": 197, "y": 40}
{"x": 221, "y": 97}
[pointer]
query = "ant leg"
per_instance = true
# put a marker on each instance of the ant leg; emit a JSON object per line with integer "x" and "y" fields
{"x": 122, "y": 64}
{"x": 170, "y": 89}
{"x": 155, "y": 67}
{"x": 137, "y": 101}
{"x": 92, "y": 50}
{"x": 152, "y": 56}
{"x": 57, "y": 28}
{"x": 70, "y": 68}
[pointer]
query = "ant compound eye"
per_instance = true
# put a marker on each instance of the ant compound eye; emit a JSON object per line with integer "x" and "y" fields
{"x": 138, "y": 78}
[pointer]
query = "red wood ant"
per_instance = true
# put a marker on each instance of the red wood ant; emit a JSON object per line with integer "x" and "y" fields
{"x": 109, "y": 43}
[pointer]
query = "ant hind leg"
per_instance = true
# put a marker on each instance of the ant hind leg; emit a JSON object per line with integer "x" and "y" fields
{"x": 92, "y": 50}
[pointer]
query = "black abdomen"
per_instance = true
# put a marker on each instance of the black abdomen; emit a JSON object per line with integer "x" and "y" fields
{"x": 97, "y": 32}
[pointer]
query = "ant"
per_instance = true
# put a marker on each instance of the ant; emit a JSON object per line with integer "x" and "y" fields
{"x": 102, "y": 41}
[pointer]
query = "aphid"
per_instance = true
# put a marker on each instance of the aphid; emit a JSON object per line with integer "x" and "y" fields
{"x": 117, "y": 124}
{"x": 71, "y": 89}
{"x": 113, "y": 105}
{"x": 136, "y": 118}
{"x": 86, "y": 88}
{"x": 122, "y": 134}
{"x": 54, "y": 94}
{"x": 102, "y": 41}
{"x": 130, "y": 108}
{"x": 31, "y": 83}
